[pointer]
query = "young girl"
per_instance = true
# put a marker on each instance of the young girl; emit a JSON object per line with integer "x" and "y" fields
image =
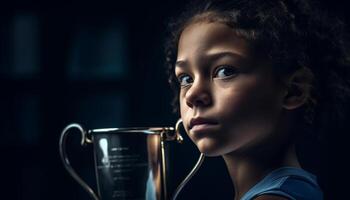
{"x": 250, "y": 78}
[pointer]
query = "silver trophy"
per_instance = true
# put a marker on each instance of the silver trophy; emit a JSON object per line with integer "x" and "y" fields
{"x": 130, "y": 163}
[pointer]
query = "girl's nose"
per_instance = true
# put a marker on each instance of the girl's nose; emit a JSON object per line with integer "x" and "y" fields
{"x": 198, "y": 95}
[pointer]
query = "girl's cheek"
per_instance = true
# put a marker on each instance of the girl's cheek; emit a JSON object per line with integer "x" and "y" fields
{"x": 182, "y": 101}
{"x": 181, "y": 105}
{"x": 183, "y": 108}
{"x": 183, "y": 111}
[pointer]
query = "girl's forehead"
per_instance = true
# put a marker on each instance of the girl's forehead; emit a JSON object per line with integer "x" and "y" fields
{"x": 210, "y": 38}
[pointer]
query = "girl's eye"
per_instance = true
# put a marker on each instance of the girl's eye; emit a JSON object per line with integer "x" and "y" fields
{"x": 225, "y": 72}
{"x": 185, "y": 80}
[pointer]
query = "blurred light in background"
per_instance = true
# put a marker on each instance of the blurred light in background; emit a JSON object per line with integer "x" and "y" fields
{"x": 98, "y": 53}
{"x": 27, "y": 118}
{"x": 25, "y": 47}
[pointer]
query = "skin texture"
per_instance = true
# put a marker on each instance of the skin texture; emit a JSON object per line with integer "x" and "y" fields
{"x": 247, "y": 107}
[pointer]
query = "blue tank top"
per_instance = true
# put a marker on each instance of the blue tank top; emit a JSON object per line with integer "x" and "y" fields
{"x": 290, "y": 182}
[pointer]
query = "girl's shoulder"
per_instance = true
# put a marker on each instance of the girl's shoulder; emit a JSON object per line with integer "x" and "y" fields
{"x": 289, "y": 182}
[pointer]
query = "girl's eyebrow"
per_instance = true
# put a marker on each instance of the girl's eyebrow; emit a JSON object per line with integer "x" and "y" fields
{"x": 215, "y": 56}
{"x": 210, "y": 57}
{"x": 181, "y": 63}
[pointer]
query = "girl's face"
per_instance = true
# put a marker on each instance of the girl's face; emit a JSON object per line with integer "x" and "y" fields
{"x": 229, "y": 101}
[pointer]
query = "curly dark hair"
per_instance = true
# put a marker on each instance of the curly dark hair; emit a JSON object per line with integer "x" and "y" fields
{"x": 291, "y": 34}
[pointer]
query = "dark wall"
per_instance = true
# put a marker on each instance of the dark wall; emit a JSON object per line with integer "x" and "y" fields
{"x": 100, "y": 64}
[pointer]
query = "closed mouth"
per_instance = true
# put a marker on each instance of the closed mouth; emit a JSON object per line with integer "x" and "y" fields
{"x": 200, "y": 123}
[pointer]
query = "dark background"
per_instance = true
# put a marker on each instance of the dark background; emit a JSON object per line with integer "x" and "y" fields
{"x": 100, "y": 63}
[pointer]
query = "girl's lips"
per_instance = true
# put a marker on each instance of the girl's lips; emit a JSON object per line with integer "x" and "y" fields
{"x": 201, "y": 123}
{"x": 202, "y": 127}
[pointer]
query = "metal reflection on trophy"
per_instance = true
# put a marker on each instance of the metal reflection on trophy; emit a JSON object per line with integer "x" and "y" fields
{"x": 130, "y": 163}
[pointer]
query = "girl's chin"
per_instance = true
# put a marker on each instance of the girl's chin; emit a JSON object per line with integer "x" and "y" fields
{"x": 210, "y": 148}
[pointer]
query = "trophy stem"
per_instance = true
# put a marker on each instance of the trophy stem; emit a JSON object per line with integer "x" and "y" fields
{"x": 189, "y": 176}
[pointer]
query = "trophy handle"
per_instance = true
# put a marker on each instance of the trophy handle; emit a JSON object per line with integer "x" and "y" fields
{"x": 194, "y": 169}
{"x": 65, "y": 160}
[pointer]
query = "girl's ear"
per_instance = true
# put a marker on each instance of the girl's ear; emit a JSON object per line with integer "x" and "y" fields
{"x": 298, "y": 88}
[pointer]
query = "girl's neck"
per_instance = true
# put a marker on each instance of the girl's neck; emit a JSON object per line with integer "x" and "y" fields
{"x": 246, "y": 171}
